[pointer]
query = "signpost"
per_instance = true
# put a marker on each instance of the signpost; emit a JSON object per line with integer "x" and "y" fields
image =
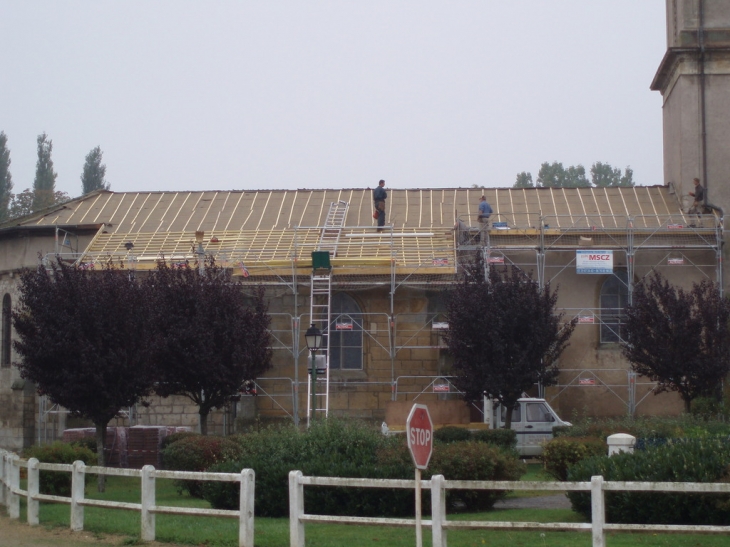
{"x": 419, "y": 432}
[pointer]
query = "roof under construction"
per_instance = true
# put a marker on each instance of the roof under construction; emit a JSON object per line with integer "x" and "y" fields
{"x": 275, "y": 229}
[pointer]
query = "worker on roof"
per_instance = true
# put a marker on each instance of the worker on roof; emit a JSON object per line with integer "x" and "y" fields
{"x": 379, "y": 197}
{"x": 483, "y": 217}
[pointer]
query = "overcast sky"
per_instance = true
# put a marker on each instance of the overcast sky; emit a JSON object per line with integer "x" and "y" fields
{"x": 202, "y": 95}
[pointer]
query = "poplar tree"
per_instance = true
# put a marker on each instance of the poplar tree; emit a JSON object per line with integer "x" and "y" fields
{"x": 6, "y": 180}
{"x": 94, "y": 171}
{"x": 44, "y": 186}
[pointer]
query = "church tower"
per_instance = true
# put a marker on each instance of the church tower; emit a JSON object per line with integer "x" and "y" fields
{"x": 694, "y": 80}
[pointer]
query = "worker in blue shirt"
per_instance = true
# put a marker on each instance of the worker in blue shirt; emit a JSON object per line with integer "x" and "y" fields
{"x": 484, "y": 211}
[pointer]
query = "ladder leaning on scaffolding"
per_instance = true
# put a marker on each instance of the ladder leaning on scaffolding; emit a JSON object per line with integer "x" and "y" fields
{"x": 320, "y": 299}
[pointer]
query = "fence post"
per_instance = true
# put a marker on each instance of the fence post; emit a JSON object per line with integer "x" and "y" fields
{"x": 598, "y": 511}
{"x": 296, "y": 508}
{"x": 245, "y": 515}
{"x": 13, "y": 484}
{"x": 78, "y": 481}
{"x": 33, "y": 489}
{"x": 148, "y": 502}
{"x": 438, "y": 511}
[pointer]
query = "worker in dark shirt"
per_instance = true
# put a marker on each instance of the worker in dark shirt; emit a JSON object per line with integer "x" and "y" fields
{"x": 379, "y": 197}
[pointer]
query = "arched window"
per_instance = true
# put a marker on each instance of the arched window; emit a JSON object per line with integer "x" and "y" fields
{"x": 345, "y": 333}
{"x": 614, "y": 298}
{"x": 5, "y": 350}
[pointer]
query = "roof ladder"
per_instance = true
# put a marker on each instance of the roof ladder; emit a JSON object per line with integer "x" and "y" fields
{"x": 332, "y": 229}
{"x": 321, "y": 295}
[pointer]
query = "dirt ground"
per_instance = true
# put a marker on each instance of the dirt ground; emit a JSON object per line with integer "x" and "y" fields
{"x": 14, "y": 533}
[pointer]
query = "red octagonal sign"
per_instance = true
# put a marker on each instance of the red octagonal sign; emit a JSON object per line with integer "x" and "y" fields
{"x": 419, "y": 430}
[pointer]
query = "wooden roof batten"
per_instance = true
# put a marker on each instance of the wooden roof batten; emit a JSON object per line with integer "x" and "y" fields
{"x": 280, "y": 228}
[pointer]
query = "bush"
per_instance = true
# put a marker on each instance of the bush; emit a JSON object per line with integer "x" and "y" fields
{"x": 689, "y": 460}
{"x": 560, "y": 453}
{"x": 197, "y": 453}
{"x": 174, "y": 437}
{"x": 475, "y": 461}
{"x": 563, "y": 431}
{"x": 708, "y": 408}
{"x": 332, "y": 447}
{"x": 648, "y": 427}
{"x": 58, "y": 483}
{"x": 86, "y": 442}
{"x": 451, "y": 434}
{"x": 502, "y": 438}
{"x": 341, "y": 448}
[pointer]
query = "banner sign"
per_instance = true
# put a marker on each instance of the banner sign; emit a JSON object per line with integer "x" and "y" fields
{"x": 594, "y": 262}
{"x": 585, "y": 319}
{"x": 675, "y": 261}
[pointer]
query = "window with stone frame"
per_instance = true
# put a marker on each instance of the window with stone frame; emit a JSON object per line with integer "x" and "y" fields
{"x": 614, "y": 299}
{"x": 346, "y": 333}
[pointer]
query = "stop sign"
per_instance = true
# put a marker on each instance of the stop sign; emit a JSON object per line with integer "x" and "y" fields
{"x": 419, "y": 430}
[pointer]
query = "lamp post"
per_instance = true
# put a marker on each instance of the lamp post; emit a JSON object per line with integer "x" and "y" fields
{"x": 199, "y": 235}
{"x": 313, "y": 336}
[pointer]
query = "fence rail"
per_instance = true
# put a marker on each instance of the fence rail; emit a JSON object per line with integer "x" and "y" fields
{"x": 10, "y": 494}
{"x": 440, "y": 525}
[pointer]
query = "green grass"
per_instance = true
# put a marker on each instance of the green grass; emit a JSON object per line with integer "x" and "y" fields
{"x": 219, "y": 532}
{"x": 535, "y": 472}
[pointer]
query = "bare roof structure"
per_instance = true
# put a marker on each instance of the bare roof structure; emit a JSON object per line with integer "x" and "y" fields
{"x": 268, "y": 232}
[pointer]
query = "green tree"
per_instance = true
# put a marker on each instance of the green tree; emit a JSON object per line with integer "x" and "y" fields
{"x": 679, "y": 339}
{"x": 628, "y": 178}
{"x": 94, "y": 171}
{"x": 554, "y": 175}
{"x": 504, "y": 334}
{"x": 524, "y": 180}
{"x": 212, "y": 337}
{"x": 44, "y": 185}
{"x": 84, "y": 340}
{"x": 6, "y": 180}
{"x": 551, "y": 175}
{"x": 575, "y": 177}
{"x": 22, "y": 204}
{"x": 604, "y": 175}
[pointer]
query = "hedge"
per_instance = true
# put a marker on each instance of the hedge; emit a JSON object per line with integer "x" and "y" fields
{"x": 340, "y": 448}
{"x": 58, "y": 483}
{"x": 689, "y": 460}
{"x": 560, "y": 453}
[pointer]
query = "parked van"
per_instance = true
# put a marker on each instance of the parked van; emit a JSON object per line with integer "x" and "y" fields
{"x": 532, "y": 419}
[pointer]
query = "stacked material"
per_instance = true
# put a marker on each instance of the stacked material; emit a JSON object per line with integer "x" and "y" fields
{"x": 144, "y": 444}
{"x": 115, "y": 444}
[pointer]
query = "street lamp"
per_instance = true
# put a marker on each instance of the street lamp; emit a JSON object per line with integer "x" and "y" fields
{"x": 313, "y": 336}
{"x": 199, "y": 235}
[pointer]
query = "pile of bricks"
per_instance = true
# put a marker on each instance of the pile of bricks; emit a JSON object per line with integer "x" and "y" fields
{"x": 132, "y": 447}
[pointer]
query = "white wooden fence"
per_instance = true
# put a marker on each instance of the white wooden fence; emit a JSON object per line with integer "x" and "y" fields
{"x": 440, "y": 525}
{"x": 10, "y": 494}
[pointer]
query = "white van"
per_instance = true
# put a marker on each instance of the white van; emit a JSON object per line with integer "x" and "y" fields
{"x": 532, "y": 419}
